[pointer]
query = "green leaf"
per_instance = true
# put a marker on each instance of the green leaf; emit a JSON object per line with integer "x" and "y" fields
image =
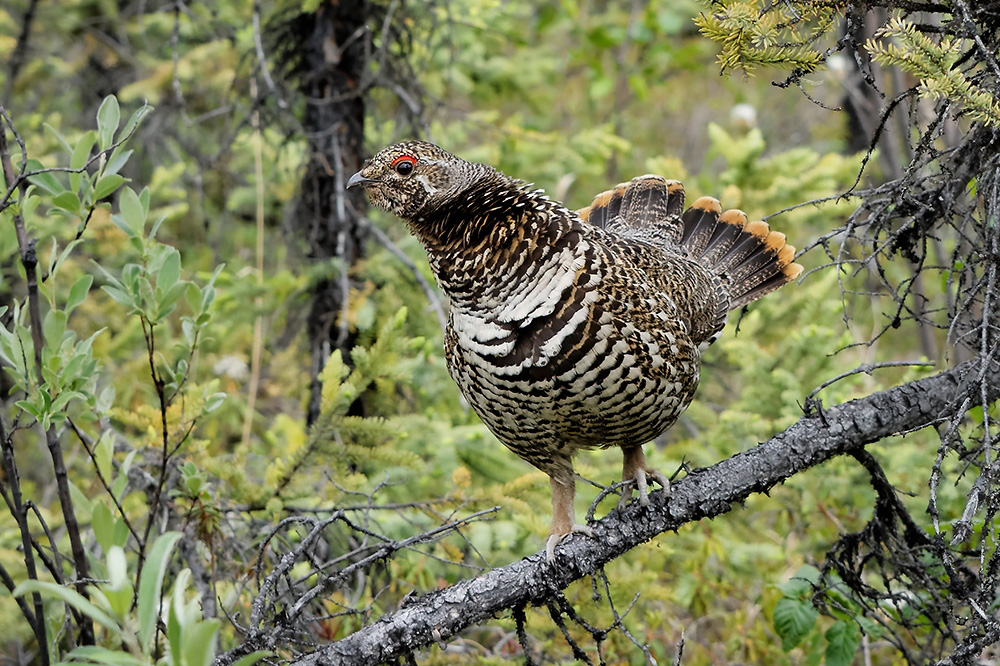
{"x": 214, "y": 401}
{"x": 800, "y": 585}
{"x": 170, "y": 271}
{"x": 199, "y": 643}
{"x": 29, "y": 204}
{"x": 81, "y": 154}
{"x": 103, "y": 523}
{"x": 108, "y": 117}
{"x": 118, "y": 159}
{"x": 62, "y": 400}
{"x": 252, "y": 658}
{"x": 120, "y": 296}
{"x": 870, "y": 628}
{"x": 144, "y": 200}
{"x": 137, "y": 117}
{"x": 58, "y": 137}
{"x": 120, "y": 222}
{"x": 62, "y": 256}
{"x": 121, "y": 534}
{"x": 53, "y": 327}
{"x": 81, "y": 502}
{"x": 67, "y": 200}
{"x": 136, "y": 243}
{"x": 168, "y": 300}
{"x": 145, "y": 292}
{"x": 28, "y": 406}
{"x": 842, "y": 639}
{"x": 156, "y": 226}
{"x": 176, "y": 619}
{"x": 105, "y": 400}
{"x": 793, "y": 619}
{"x": 132, "y": 211}
{"x": 45, "y": 180}
{"x": 100, "y": 655}
{"x": 149, "y": 585}
{"x": 208, "y": 291}
{"x": 121, "y": 481}
{"x": 107, "y": 185}
{"x": 103, "y": 454}
{"x": 119, "y": 590}
{"x": 78, "y": 292}
{"x": 117, "y": 567}
{"x": 15, "y": 353}
{"x": 71, "y": 597}
{"x": 79, "y": 364}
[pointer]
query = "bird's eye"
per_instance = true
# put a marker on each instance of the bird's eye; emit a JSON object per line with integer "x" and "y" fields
{"x": 403, "y": 165}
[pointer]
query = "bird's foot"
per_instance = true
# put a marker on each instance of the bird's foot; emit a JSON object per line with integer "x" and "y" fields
{"x": 555, "y": 539}
{"x": 640, "y": 479}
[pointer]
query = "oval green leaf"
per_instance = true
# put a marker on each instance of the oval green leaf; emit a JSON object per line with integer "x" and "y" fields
{"x": 151, "y": 582}
{"x": 71, "y": 597}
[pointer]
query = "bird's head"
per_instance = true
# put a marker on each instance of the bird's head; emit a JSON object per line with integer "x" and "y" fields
{"x": 412, "y": 178}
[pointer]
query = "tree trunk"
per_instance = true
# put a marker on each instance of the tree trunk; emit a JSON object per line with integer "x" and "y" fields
{"x": 333, "y": 61}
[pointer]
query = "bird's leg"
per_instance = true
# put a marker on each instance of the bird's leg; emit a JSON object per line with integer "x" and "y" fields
{"x": 563, "y": 520}
{"x": 634, "y": 468}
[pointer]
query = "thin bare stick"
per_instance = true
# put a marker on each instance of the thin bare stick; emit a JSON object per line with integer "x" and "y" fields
{"x": 258, "y": 322}
{"x": 432, "y": 294}
{"x": 35, "y": 619}
{"x": 866, "y": 368}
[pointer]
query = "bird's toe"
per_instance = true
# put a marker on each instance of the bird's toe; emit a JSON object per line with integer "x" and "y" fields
{"x": 661, "y": 479}
{"x": 626, "y": 495}
{"x": 550, "y": 547}
{"x": 641, "y": 478}
{"x": 555, "y": 539}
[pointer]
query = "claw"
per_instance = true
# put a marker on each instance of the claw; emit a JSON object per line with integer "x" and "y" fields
{"x": 555, "y": 539}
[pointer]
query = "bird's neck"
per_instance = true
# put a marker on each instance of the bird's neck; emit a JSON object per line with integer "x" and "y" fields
{"x": 471, "y": 212}
{"x": 486, "y": 237}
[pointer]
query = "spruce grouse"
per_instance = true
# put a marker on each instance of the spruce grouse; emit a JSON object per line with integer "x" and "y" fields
{"x": 575, "y": 330}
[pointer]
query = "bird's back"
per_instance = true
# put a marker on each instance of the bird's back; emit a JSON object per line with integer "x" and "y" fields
{"x": 708, "y": 261}
{"x": 644, "y": 225}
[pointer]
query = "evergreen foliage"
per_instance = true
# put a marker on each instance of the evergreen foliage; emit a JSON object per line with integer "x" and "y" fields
{"x": 755, "y": 34}
{"x": 899, "y": 43}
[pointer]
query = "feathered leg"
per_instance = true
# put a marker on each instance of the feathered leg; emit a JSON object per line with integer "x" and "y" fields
{"x": 563, "y": 521}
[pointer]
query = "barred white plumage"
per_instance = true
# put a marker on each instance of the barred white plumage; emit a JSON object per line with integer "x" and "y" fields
{"x": 572, "y": 330}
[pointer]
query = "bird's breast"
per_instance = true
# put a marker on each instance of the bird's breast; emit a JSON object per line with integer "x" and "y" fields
{"x": 582, "y": 354}
{"x": 525, "y": 318}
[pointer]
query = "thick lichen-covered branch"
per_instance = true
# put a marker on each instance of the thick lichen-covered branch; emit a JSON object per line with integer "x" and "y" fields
{"x": 705, "y": 493}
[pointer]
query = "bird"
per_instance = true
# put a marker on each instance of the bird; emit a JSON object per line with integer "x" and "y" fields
{"x": 575, "y": 329}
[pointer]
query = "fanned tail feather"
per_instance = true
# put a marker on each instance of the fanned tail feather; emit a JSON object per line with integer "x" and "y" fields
{"x": 748, "y": 257}
{"x": 605, "y": 207}
{"x": 647, "y": 202}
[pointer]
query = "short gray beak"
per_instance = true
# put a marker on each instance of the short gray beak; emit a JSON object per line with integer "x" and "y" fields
{"x": 358, "y": 179}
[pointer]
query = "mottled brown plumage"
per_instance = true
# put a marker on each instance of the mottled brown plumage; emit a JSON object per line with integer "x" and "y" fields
{"x": 574, "y": 330}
